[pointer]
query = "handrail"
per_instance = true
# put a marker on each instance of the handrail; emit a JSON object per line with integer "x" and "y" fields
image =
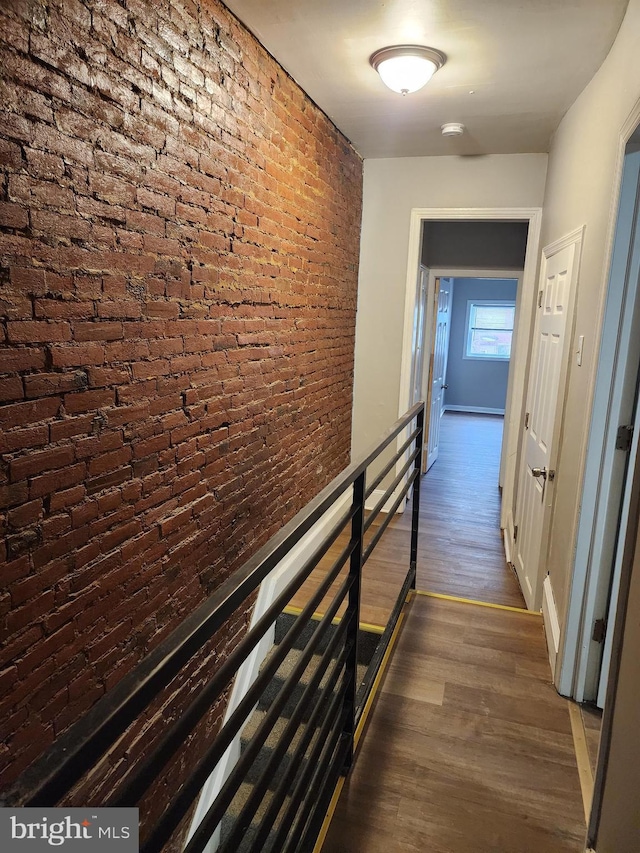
{"x": 50, "y": 778}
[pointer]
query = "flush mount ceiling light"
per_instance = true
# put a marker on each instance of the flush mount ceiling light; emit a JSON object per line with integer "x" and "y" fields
{"x": 407, "y": 67}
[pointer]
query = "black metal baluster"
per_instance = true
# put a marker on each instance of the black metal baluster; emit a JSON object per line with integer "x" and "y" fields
{"x": 415, "y": 507}
{"x": 353, "y": 617}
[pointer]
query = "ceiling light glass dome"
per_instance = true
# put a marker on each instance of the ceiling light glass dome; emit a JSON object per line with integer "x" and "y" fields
{"x": 406, "y": 68}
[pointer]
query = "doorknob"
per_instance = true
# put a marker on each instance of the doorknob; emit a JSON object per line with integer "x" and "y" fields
{"x": 542, "y": 472}
{"x": 444, "y": 387}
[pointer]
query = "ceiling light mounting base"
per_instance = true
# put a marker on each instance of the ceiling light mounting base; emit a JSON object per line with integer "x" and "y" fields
{"x": 406, "y": 68}
{"x": 452, "y": 128}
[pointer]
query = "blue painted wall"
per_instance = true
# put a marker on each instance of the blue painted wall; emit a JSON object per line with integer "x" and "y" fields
{"x": 475, "y": 383}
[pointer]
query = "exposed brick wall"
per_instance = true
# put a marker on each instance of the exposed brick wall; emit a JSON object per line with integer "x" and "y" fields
{"x": 179, "y": 230}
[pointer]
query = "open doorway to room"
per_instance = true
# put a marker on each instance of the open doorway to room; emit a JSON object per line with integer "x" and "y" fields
{"x": 466, "y": 392}
{"x": 486, "y": 271}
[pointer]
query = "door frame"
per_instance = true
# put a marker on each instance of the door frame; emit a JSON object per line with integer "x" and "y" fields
{"x": 573, "y": 654}
{"x": 433, "y": 296}
{"x": 421, "y": 309}
{"x": 513, "y": 419}
{"x": 467, "y": 272}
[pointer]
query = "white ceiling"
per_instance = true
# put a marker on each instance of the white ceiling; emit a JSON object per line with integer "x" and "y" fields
{"x": 524, "y": 60}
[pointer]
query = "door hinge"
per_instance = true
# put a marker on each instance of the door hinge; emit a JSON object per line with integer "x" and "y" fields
{"x": 539, "y": 299}
{"x": 526, "y": 421}
{"x": 623, "y": 438}
{"x": 515, "y": 533}
{"x": 599, "y": 630}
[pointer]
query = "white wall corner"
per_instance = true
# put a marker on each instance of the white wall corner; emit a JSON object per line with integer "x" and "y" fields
{"x": 551, "y": 623}
{"x": 376, "y": 495}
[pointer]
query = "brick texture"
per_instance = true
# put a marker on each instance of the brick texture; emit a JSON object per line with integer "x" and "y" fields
{"x": 179, "y": 235}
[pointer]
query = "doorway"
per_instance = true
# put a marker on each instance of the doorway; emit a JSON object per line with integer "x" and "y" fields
{"x": 469, "y": 320}
{"x": 531, "y": 217}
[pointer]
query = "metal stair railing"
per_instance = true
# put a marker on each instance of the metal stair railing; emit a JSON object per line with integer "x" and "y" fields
{"x": 335, "y": 707}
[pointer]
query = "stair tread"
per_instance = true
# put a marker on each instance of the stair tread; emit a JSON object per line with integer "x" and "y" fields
{"x": 366, "y": 648}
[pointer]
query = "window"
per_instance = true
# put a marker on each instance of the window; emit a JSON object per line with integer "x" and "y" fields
{"x": 489, "y": 329}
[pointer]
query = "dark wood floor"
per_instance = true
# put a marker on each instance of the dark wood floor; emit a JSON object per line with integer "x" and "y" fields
{"x": 468, "y": 748}
{"x": 460, "y": 549}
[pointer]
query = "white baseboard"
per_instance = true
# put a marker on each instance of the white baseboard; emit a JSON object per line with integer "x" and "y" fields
{"x": 507, "y": 536}
{"x": 507, "y": 540}
{"x": 481, "y": 410}
{"x": 551, "y": 624}
{"x": 270, "y": 588}
{"x": 376, "y": 495}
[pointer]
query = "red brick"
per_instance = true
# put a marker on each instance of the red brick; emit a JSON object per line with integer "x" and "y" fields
{"x": 163, "y": 204}
{"x": 49, "y": 483}
{"x": 26, "y": 614}
{"x": 69, "y": 427}
{"x": 88, "y": 400}
{"x": 25, "y": 414}
{"x": 77, "y": 355}
{"x": 109, "y": 480}
{"x": 11, "y": 388}
{"x": 13, "y": 215}
{"x": 21, "y": 439}
{"x": 102, "y": 331}
{"x": 119, "y": 310}
{"x": 33, "y": 585}
{"x": 55, "y": 309}
{"x": 109, "y": 461}
{"x": 38, "y": 331}
{"x": 21, "y": 358}
{"x": 47, "y": 384}
{"x": 38, "y": 463}
{"x": 69, "y": 497}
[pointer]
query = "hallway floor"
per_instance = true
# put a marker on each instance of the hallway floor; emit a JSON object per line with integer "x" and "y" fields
{"x": 460, "y": 550}
{"x": 468, "y": 748}
{"x": 460, "y": 546}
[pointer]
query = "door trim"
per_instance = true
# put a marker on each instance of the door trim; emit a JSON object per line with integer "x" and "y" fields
{"x": 568, "y": 656}
{"x": 513, "y": 417}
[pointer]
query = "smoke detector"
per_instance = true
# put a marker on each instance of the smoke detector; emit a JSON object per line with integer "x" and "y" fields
{"x": 452, "y": 128}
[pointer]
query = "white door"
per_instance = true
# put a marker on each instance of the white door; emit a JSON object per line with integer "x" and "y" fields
{"x": 442, "y": 314}
{"x": 544, "y": 411}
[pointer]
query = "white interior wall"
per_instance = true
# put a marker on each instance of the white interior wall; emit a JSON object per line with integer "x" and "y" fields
{"x": 392, "y": 188}
{"x": 582, "y": 189}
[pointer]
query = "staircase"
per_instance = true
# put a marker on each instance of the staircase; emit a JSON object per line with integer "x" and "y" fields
{"x": 239, "y": 832}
